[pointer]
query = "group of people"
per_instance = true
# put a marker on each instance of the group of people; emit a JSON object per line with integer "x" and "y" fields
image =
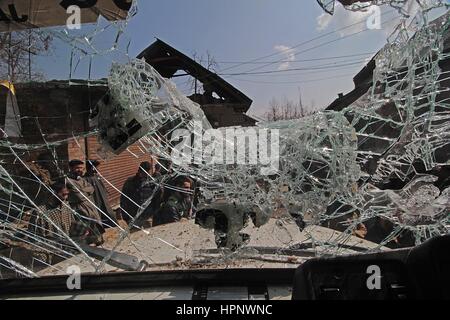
{"x": 80, "y": 206}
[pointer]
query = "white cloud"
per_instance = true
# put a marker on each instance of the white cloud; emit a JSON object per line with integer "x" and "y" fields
{"x": 289, "y": 54}
{"x": 323, "y": 21}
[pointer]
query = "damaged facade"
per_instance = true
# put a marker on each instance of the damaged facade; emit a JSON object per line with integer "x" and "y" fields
{"x": 223, "y": 105}
{"x": 56, "y": 111}
{"x": 399, "y": 108}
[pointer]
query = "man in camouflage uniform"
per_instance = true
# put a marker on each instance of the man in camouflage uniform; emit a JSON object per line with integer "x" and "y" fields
{"x": 177, "y": 204}
{"x": 81, "y": 199}
{"x": 136, "y": 191}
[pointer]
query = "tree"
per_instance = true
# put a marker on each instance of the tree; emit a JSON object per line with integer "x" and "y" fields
{"x": 274, "y": 110}
{"x": 18, "y": 51}
{"x": 209, "y": 63}
{"x": 286, "y": 110}
{"x": 300, "y": 103}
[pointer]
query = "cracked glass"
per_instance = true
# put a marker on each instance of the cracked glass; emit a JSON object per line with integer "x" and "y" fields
{"x": 369, "y": 175}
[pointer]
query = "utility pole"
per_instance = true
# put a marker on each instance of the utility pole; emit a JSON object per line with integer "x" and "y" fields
{"x": 300, "y": 102}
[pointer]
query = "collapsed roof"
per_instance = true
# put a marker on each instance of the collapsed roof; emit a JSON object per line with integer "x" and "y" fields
{"x": 168, "y": 61}
{"x": 221, "y": 102}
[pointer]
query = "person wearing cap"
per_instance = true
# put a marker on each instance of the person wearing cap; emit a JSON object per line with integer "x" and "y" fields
{"x": 81, "y": 198}
{"x": 100, "y": 193}
{"x": 136, "y": 191}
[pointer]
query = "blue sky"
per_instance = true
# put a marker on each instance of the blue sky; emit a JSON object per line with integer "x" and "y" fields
{"x": 244, "y": 30}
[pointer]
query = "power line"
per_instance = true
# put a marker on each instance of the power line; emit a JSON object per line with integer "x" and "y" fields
{"x": 303, "y": 43}
{"x": 320, "y": 45}
{"x": 315, "y": 68}
{"x": 249, "y": 72}
{"x": 329, "y": 69}
{"x": 308, "y": 49}
{"x": 320, "y": 67}
{"x": 303, "y": 60}
{"x": 292, "y": 82}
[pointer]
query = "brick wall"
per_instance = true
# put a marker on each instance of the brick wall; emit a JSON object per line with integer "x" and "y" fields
{"x": 117, "y": 168}
{"x": 56, "y": 111}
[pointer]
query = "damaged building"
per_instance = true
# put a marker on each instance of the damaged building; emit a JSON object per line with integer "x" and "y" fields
{"x": 223, "y": 104}
{"x": 368, "y": 174}
{"x": 60, "y": 110}
{"x": 380, "y": 127}
{"x": 55, "y": 111}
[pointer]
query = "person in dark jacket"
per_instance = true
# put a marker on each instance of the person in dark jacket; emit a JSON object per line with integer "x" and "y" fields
{"x": 136, "y": 191}
{"x": 177, "y": 204}
{"x": 100, "y": 193}
{"x": 81, "y": 198}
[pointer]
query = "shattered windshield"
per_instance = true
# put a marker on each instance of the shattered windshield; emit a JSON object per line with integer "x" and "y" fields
{"x": 115, "y": 159}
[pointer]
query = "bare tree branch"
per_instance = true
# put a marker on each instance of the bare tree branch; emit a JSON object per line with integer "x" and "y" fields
{"x": 17, "y": 54}
{"x": 209, "y": 63}
{"x": 286, "y": 110}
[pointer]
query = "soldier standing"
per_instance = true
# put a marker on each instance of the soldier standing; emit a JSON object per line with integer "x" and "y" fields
{"x": 81, "y": 198}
